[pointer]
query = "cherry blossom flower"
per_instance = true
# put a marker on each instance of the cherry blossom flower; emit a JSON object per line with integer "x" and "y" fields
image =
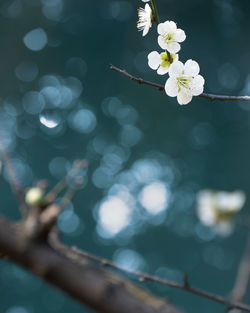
{"x": 184, "y": 81}
{"x": 145, "y": 19}
{"x": 161, "y": 61}
{"x": 216, "y": 209}
{"x": 170, "y": 36}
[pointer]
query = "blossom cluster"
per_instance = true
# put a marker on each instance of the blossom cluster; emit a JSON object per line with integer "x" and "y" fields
{"x": 184, "y": 80}
{"x": 216, "y": 209}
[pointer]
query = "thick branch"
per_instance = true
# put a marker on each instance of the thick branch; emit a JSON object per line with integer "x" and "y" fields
{"x": 93, "y": 286}
{"x": 209, "y": 96}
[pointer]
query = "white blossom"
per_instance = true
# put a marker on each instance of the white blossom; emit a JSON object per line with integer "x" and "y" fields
{"x": 216, "y": 209}
{"x": 145, "y": 0}
{"x": 161, "y": 61}
{"x": 184, "y": 81}
{"x": 145, "y": 19}
{"x": 170, "y": 36}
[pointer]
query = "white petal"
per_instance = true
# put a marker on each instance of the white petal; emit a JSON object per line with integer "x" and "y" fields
{"x": 162, "y": 70}
{"x": 170, "y": 27}
{"x": 145, "y": 30}
{"x": 176, "y": 69}
{"x": 145, "y": 0}
{"x": 160, "y": 28}
{"x": 147, "y": 9}
{"x": 173, "y": 47}
{"x": 179, "y": 35}
{"x": 162, "y": 42}
{"x": 191, "y": 68}
{"x": 171, "y": 87}
{"x": 198, "y": 85}
{"x": 154, "y": 60}
{"x": 184, "y": 96}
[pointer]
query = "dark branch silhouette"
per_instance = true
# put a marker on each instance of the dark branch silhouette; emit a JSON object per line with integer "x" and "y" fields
{"x": 145, "y": 277}
{"x": 209, "y": 96}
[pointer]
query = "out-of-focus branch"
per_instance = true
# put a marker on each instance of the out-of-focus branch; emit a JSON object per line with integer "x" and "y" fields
{"x": 79, "y": 255}
{"x": 13, "y": 179}
{"x": 102, "y": 290}
{"x": 209, "y": 96}
{"x": 240, "y": 288}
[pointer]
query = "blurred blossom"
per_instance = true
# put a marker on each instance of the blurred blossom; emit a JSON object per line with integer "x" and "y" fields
{"x": 216, "y": 209}
{"x": 129, "y": 260}
{"x": 154, "y": 197}
{"x": 26, "y": 71}
{"x": 36, "y": 39}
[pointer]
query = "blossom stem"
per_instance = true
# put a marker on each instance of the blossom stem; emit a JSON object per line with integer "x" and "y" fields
{"x": 156, "y": 15}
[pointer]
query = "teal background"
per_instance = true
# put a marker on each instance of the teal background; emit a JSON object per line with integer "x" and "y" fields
{"x": 188, "y": 148}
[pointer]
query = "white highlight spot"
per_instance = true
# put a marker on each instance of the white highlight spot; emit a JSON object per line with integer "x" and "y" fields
{"x": 154, "y": 197}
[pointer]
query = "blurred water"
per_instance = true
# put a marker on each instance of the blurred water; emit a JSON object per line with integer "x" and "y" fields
{"x": 148, "y": 156}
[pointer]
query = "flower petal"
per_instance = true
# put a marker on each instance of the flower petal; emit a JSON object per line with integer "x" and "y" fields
{"x": 162, "y": 42}
{"x": 184, "y": 96}
{"x": 191, "y": 68}
{"x": 173, "y": 47}
{"x": 198, "y": 85}
{"x": 161, "y": 28}
{"x": 170, "y": 27}
{"x": 147, "y": 9}
{"x": 162, "y": 70}
{"x": 176, "y": 69}
{"x": 154, "y": 60}
{"x": 171, "y": 87}
{"x": 179, "y": 35}
{"x": 145, "y": 30}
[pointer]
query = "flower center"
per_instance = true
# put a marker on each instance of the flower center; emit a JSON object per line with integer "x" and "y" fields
{"x": 168, "y": 37}
{"x": 184, "y": 81}
{"x": 166, "y": 61}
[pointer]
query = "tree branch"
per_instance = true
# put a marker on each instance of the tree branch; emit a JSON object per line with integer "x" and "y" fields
{"x": 78, "y": 255}
{"x": 99, "y": 289}
{"x": 239, "y": 290}
{"x": 209, "y": 96}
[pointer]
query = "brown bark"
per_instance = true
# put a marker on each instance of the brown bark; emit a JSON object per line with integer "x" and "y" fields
{"x": 101, "y": 290}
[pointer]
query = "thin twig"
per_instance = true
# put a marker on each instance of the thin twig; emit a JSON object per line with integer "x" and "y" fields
{"x": 209, "y": 96}
{"x": 240, "y": 288}
{"x": 144, "y": 277}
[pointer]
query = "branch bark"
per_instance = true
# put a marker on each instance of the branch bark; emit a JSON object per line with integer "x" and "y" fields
{"x": 101, "y": 290}
{"x": 209, "y": 96}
